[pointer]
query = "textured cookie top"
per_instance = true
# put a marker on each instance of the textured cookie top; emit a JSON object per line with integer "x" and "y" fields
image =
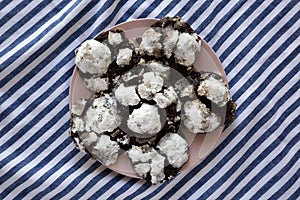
{"x": 146, "y": 93}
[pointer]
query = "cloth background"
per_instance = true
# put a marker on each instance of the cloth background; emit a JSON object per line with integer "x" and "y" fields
{"x": 257, "y": 156}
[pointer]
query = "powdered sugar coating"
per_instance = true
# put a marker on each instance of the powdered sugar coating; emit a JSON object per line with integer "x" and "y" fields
{"x": 127, "y": 95}
{"x": 124, "y": 56}
{"x": 102, "y": 115}
{"x": 198, "y": 118}
{"x": 166, "y": 98}
{"x": 96, "y": 84}
{"x": 150, "y": 42}
{"x": 106, "y": 150}
{"x": 149, "y": 161}
{"x": 170, "y": 41}
{"x": 175, "y": 148}
{"x": 152, "y": 84}
{"x": 93, "y": 57}
{"x": 114, "y": 38}
{"x": 159, "y": 69}
{"x": 215, "y": 90}
{"x": 186, "y": 49}
{"x": 145, "y": 121}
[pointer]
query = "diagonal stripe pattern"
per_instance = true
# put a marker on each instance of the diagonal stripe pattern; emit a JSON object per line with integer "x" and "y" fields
{"x": 258, "y": 155}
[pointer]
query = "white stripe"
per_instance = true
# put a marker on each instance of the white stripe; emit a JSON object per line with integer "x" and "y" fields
{"x": 88, "y": 178}
{"x": 264, "y": 93}
{"x": 233, "y": 160}
{"x": 247, "y": 76}
{"x": 216, "y": 18}
{"x": 39, "y": 108}
{"x": 46, "y": 37}
{"x": 45, "y": 169}
{"x": 158, "y": 9}
{"x": 228, "y": 23}
{"x": 116, "y": 187}
{"x": 232, "y": 144}
{"x": 121, "y": 12}
{"x": 98, "y": 185}
{"x": 276, "y": 168}
{"x": 39, "y": 141}
{"x": 291, "y": 172}
{"x": 38, "y": 159}
{"x": 193, "y": 9}
{"x": 261, "y": 165}
{"x": 177, "y": 8}
{"x": 52, "y": 96}
{"x": 66, "y": 167}
{"x": 30, "y": 23}
{"x": 243, "y": 115}
{"x": 292, "y": 190}
{"x": 257, "y": 46}
{"x": 29, "y": 117}
{"x": 35, "y": 95}
{"x": 241, "y": 29}
{"x": 8, "y": 8}
{"x": 167, "y": 188}
{"x": 43, "y": 56}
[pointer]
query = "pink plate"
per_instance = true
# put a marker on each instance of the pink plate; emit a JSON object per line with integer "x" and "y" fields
{"x": 200, "y": 145}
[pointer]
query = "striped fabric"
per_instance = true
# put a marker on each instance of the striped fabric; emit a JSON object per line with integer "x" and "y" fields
{"x": 258, "y": 155}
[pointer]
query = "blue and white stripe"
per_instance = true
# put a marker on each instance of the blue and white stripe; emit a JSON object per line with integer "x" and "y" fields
{"x": 257, "y": 156}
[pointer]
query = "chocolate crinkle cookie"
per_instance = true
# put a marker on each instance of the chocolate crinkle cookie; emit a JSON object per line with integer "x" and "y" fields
{"x": 146, "y": 94}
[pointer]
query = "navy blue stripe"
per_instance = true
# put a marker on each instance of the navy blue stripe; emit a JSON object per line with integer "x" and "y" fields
{"x": 209, "y": 18}
{"x": 150, "y": 9}
{"x": 57, "y": 181}
{"x": 46, "y": 46}
{"x": 201, "y": 9}
{"x": 28, "y": 143}
{"x": 44, "y": 162}
{"x": 278, "y": 176}
{"x": 33, "y": 105}
{"x": 150, "y": 196}
{"x": 244, "y": 157}
{"x": 62, "y": 177}
{"x": 274, "y": 162}
{"x": 236, "y": 131}
{"x": 40, "y": 66}
{"x": 289, "y": 184}
{"x": 186, "y": 7}
{"x": 3, "y": 4}
{"x": 167, "y": 9}
{"x": 29, "y": 16}
{"x": 91, "y": 183}
{"x": 35, "y": 27}
{"x": 257, "y": 38}
{"x": 73, "y": 184}
{"x": 242, "y": 20}
{"x": 222, "y": 21}
{"x": 264, "y": 66}
{"x": 106, "y": 187}
{"x": 241, "y": 108}
{"x": 141, "y": 189}
{"x": 108, "y": 20}
{"x": 130, "y": 11}
{"x": 266, "y": 100}
{"x": 33, "y": 122}
{"x": 123, "y": 189}
{"x": 13, "y": 12}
